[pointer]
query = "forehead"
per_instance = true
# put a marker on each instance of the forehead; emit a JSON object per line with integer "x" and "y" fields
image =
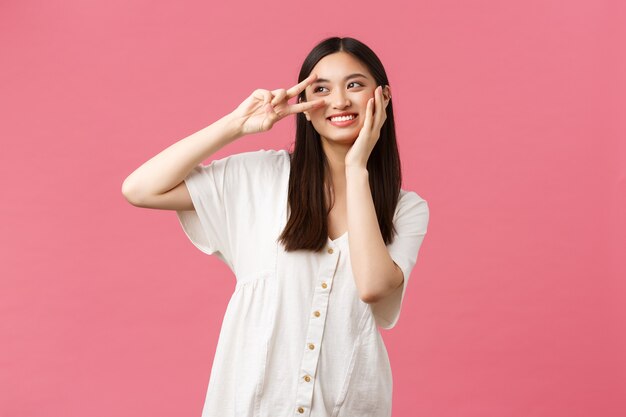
{"x": 336, "y": 66}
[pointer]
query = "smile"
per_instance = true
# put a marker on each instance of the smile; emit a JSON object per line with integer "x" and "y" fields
{"x": 343, "y": 120}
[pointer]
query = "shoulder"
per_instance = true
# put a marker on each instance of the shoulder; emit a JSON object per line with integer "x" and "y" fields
{"x": 412, "y": 211}
{"x": 254, "y": 162}
{"x": 410, "y": 200}
{"x": 250, "y": 164}
{"x": 260, "y": 156}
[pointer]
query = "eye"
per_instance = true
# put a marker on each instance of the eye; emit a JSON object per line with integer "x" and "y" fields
{"x": 315, "y": 90}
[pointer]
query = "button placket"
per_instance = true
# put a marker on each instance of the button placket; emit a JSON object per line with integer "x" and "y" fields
{"x": 315, "y": 332}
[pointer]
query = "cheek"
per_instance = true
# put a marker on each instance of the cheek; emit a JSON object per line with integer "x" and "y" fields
{"x": 363, "y": 101}
{"x": 319, "y": 112}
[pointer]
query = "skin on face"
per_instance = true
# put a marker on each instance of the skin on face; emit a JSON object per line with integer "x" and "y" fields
{"x": 340, "y": 95}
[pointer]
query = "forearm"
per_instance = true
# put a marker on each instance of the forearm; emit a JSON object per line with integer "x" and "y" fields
{"x": 168, "y": 168}
{"x": 373, "y": 268}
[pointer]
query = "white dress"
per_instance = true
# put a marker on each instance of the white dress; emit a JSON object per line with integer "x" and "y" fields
{"x": 296, "y": 339}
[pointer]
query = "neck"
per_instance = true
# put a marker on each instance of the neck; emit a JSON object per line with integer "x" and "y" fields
{"x": 336, "y": 155}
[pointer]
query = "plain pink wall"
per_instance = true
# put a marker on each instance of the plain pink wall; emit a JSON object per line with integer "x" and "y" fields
{"x": 511, "y": 124}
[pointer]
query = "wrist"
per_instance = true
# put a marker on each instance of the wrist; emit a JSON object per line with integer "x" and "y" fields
{"x": 356, "y": 170}
{"x": 233, "y": 125}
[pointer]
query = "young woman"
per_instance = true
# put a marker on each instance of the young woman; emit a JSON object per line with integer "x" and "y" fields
{"x": 322, "y": 240}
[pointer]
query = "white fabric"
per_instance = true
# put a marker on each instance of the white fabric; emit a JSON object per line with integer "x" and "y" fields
{"x": 281, "y": 325}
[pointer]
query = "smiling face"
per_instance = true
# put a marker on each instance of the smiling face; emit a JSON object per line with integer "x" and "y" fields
{"x": 346, "y": 85}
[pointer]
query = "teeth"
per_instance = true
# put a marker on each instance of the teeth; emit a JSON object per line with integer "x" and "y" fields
{"x": 342, "y": 118}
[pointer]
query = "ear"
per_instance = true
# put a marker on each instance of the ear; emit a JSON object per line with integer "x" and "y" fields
{"x": 386, "y": 94}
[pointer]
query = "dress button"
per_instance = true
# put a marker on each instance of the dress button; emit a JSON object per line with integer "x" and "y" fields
{"x": 324, "y": 285}
{"x": 307, "y": 378}
{"x": 300, "y": 410}
{"x": 330, "y": 250}
{"x": 317, "y": 313}
{"x": 311, "y": 346}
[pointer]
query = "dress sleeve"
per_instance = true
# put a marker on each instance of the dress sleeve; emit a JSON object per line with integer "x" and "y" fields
{"x": 207, "y": 225}
{"x": 411, "y": 223}
{"x": 228, "y": 196}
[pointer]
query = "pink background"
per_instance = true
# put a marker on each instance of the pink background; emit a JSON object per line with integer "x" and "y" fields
{"x": 511, "y": 125}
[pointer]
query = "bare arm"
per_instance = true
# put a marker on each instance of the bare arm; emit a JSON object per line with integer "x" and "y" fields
{"x": 167, "y": 170}
{"x": 376, "y": 274}
{"x": 159, "y": 182}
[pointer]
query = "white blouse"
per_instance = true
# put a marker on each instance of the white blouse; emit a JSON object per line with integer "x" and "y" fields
{"x": 296, "y": 339}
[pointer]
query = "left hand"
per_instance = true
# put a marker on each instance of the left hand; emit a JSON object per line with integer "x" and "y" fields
{"x": 375, "y": 116}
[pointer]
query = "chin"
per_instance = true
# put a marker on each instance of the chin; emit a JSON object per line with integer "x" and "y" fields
{"x": 345, "y": 136}
{"x": 341, "y": 138}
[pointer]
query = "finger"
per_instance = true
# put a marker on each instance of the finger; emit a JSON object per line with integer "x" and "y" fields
{"x": 298, "y": 88}
{"x": 261, "y": 95}
{"x": 266, "y": 96}
{"x": 388, "y": 99}
{"x": 380, "y": 108}
{"x": 369, "y": 110}
{"x": 306, "y": 105}
{"x": 379, "y": 105}
{"x": 279, "y": 95}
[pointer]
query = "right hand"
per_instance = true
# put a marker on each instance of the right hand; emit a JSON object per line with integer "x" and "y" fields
{"x": 263, "y": 108}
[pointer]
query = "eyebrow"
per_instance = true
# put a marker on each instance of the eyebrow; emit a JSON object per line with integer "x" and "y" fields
{"x": 355, "y": 75}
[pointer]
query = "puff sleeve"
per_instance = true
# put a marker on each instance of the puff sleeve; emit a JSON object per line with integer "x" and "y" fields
{"x": 411, "y": 223}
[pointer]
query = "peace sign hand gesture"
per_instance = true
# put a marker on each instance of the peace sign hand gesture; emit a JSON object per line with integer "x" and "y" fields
{"x": 263, "y": 108}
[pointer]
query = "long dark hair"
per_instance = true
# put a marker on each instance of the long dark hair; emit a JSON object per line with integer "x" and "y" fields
{"x": 309, "y": 204}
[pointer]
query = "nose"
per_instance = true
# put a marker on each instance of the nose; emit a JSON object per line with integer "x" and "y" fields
{"x": 340, "y": 99}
